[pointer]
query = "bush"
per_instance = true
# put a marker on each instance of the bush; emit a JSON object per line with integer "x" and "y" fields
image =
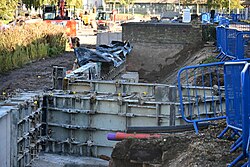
{"x": 209, "y": 33}
{"x": 21, "y": 44}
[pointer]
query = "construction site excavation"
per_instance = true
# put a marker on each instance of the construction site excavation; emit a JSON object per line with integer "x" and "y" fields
{"x": 151, "y": 94}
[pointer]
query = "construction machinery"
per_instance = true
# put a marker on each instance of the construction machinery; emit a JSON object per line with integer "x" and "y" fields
{"x": 105, "y": 20}
{"x": 88, "y": 18}
{"x": 59, "y": 14}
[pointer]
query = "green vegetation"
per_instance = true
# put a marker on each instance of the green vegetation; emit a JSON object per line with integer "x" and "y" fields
{"x": 223, "y": 4}
{"x": 21, "y": 45}
{"x": 38, "y": 3}
{"x": 210, "y": 59}
{"x": 7, "y": 9}
{"x": 209, "y": 33}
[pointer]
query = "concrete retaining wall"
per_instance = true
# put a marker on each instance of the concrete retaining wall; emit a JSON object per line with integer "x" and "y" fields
{"x": 159, "y": 49}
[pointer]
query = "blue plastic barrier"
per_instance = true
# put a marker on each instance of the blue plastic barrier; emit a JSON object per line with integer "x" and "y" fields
{"x": 245, "y": 83}
{"x": 205, "y": 18}
{"x": 219, "y": 37}
{"x": 201, "y": 93}
{"x": 235, "y": 17}
{"x": 226, "y": 43}
{"x": 231, "y": 43}
{"x": 223, "y": 21}
{"x": 232, "y": 82}
{"x": 241, "y": 39}
{"x": 216, "y": 18}
{"x": 245, "y": 106}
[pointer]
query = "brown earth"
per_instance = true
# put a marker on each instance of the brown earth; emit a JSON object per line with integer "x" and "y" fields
{"x": 177, "y": 150}
{"x": 36, "y": 75}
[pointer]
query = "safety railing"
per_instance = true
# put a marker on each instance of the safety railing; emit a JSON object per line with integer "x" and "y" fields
{"x": 245, "y": 84}
{"x": 242, "y": 39}
{"x": 201, "y": 93}
{"x": 231, "y": 43}
{"x": 232, "y": 82}
{"x": 227, "y": 43}
{"x": 237, "y": 87}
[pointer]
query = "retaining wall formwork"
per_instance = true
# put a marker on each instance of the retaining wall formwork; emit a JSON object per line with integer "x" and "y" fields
{"x": 79, "y": 119}
{"x": 20, "y": 132}
{"x": 76, "y": 121}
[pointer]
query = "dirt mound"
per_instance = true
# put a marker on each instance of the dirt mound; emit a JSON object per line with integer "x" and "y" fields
{"x": 176, "y": 150}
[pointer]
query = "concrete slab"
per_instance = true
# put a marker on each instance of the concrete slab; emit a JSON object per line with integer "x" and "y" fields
{"x": 55, "y": 160}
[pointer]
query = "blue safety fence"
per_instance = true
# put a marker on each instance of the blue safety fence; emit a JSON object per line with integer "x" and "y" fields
{"x": 245, "y": 83}
{"x": 205, "y": 18}
{"x": 215, "y": 91}
{"x": 232, "y": 83}
{"x": 242, "y": 40}
{"x": 226, "y": 43}
{"x": 222, "y": 19}
{"x": 211, "y": 92}
{"x": 232, "y": 44}
{"x": 201, "y": 93}
{"x": 238, "y": 115}
{"x": 233, "y": 17}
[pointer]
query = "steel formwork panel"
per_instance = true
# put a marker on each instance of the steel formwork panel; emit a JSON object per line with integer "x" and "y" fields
{"x": 58, "y": 117}
{"x": 99, "y": 138}
{"x": 147, "y": 121}
{"x": 108, "y": 106}
{"x": 114, "y": 87}
{"x": 92, "y": 109}
{"x": 96, "y": 116}
{"x": 99, "y": 150}
{"x": 24, "y": 129}
{"x": 199, "y": 91}
{"x": 108, "y": 122}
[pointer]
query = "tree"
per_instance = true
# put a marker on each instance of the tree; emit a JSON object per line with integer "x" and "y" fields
{"x": 224, "y": 4}
{"x": 127, "y": 3}
{"x": 8, "y": 8}
{"x": 38, "y": 3}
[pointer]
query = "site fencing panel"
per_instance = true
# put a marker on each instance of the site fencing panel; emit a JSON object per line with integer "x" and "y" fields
{"x": 232, "y": 71}
{"x": 232, "y": 43}
{"x": 241, "y": 44}
{"x": 203, "y": 84}
{"x": 238, "y": 104}
{"x": 245, "y": 83}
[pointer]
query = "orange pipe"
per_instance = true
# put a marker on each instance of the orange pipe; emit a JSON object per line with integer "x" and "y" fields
{"x": 121, "y": 136}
